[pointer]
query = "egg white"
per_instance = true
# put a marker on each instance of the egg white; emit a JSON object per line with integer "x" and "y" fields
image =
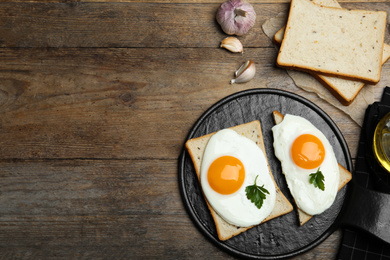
{"x": 308, "y": 198}
{"x": 235, "y": 208}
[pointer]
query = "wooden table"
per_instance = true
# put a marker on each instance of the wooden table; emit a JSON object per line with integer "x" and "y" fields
{"x": 96, "y": 100}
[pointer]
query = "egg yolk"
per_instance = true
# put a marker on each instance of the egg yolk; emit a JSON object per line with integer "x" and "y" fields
{"x": 226, "y": 175}
{"x": 307, "y": 151}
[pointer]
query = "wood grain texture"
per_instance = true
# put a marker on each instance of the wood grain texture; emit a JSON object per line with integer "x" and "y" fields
{"x": 100, "y": 209}
{"x": 122, "y": 103}
{"x": 93, "y": 208}
{"x": 89, "y": 147}
{"x": 117, "y": 25}
{"x": 76, "y": 2}
{"x": 96, "y": 100}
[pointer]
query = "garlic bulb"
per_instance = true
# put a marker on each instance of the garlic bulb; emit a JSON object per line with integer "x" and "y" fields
{"x": 232, "y": 44}
{"x": 236, "y": 17}
{"x": 245, "y": 73}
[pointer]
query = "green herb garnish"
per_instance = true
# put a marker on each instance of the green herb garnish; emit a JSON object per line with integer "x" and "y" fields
{"x": 317, "y": 179}
{"x": 256, "y": 194}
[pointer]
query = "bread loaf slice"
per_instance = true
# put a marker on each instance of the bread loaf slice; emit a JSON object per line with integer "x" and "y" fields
{"x": 333, "y": 41}
{"x": 345, "y": 175}
{"x": 196, "y": 148}
{"x": 344, "y": 90}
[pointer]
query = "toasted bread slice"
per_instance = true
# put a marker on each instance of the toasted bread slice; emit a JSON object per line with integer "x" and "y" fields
{"x": 345, "y": 175}
{"x": 334, "y": 41}
{"x": 344, "y": 90}
{"x": 196, "y": 148}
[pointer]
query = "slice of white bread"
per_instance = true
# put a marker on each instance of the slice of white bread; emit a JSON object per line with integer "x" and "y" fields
{"x": 344, "y": 90}
{"x": 345, "y": 175}
{"x": 334, "y": 41}
{"x": 196, "y": 148}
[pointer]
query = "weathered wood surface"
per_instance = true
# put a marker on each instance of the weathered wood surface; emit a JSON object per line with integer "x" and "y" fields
{"x": 100, "y": 209}
{"x": 96, "y": 100}
{"x": 128, "y": 24}
{"x": 76, "y": 2}
{"x": 123, "y": 103}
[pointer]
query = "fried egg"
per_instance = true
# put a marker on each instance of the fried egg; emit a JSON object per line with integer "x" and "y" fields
{"x": 302, "y": 149}
{"x": 230, "y": 163}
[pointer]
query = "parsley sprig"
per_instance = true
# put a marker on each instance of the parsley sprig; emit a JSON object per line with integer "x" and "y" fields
{"x": 256, "y": 194}
{"x": 317, "y": 179}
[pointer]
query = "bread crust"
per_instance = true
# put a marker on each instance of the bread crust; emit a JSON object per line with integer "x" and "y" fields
{"x": 335, "y": 90}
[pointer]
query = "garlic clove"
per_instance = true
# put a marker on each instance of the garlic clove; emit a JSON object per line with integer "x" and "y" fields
{"x": 232, "y": 44}
{"x": 245, "y": 73}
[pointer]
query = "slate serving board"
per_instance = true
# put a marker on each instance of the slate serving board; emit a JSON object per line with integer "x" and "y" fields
{"x": 281, "y": 237}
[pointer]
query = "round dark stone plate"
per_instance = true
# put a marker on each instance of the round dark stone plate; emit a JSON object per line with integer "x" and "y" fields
{"x": 281, "y": 237}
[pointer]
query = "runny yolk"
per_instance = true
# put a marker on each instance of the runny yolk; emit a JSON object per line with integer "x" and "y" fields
{"x": 226, "y": 175}
{"x": 307, "y": 151}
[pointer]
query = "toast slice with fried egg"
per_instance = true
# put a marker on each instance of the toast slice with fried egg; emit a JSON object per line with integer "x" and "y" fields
{"x": 344, "y": 177}
{"x": 196, "y": 148}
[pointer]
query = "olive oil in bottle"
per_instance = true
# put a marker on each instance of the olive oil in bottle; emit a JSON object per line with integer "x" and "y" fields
{"x": 381, "y": 142}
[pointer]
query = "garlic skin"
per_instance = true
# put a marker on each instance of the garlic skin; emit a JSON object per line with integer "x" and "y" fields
{"x": 232, "y": 44}
{"x": 245, "y": 73}
{"x": 236, "y": 17}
